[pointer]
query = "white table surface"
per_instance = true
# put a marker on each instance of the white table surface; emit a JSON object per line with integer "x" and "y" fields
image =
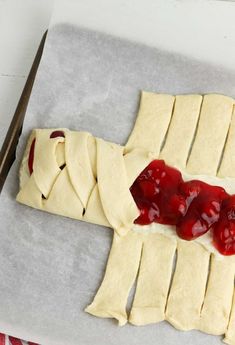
{"x": 204, "y": 29}
{"x": 22, "y": 24}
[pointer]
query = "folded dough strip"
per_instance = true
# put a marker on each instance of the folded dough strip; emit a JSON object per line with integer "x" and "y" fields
{"x": 79, "y": 165}
{"x": 45, "y": 167}
{"x": 94, "y": 209}
{"x": 153, "y": 279}
{"x": 152, "y": 122}
{"x": 135, "y": 162}
{"x": 188, "y": 286}
{"x": 118, "y": 204}
{"x": 30, "y": 194}
{"x": 214, "y": 121}
{"x": 218, "y": 298}
{"x": 121, "y": 271}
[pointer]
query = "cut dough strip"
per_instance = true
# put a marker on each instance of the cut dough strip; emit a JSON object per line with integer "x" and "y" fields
{"x": 230, "y": 333}
{"x": 227, "y": 167}
{"x": 188, "y": 286}
{"x": 181, "y": 132}
{"x": 218, "y": 298}
{"x": 120, "y": 274}
{"x": 153, "y": 279}
{"x": 152, "y": 122}
{"x": 212, "y": 130}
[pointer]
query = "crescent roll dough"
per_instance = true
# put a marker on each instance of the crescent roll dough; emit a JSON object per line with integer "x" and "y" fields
{"x": 87, "y": 178}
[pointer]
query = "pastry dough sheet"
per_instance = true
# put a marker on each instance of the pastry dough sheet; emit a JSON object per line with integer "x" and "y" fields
{"x": 52, "y": 266}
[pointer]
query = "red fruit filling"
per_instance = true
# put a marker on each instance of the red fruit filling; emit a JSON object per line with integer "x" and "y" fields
{"x": 31, "y": 157}
{"x": 156, "y": 194}
{"x": 203, "y": 208}
{"x": 193, "y": 207}
{"x": 57, "y": 134}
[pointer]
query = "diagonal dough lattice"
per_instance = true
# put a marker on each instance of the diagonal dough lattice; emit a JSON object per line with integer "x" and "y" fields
{"x": 79, "y": 176}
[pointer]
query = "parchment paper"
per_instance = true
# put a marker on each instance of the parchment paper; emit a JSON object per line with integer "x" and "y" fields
{"x": 52, "y": 266}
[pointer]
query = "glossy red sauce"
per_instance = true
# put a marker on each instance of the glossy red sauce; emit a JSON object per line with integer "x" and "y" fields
{"x": 193, "y": 207}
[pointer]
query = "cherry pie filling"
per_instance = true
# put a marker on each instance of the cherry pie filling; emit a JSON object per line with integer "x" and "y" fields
{"x": 194, "y": 207}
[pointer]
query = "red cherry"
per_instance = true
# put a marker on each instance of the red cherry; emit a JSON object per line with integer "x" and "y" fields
{"x": 191, "y": 227}
{"x": 228, "y": 206}
{"x": 148, "y": 189}
{"x": 224, "y": 237}
{"x": 147, "y": 214}
{"x": 190, "y": 190}
{"x": 170, "y": 178}
{"x": 155, "y": 193}
{"x": 224, "y": 229}
{"x": 178, "y": 204}
{"x": 204, "y": 199}
{"x": 210, "y": 212}
{"x": 31, "y": 156}
{"x": 171, "y": 208}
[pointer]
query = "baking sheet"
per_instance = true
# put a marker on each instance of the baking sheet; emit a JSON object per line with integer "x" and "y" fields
{"x": 52, "y": 266}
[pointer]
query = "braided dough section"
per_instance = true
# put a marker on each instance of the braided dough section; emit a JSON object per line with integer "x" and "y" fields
{"x": 71, "y": 190}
